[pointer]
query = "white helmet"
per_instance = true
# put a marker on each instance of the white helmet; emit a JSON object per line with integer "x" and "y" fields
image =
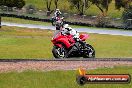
{"x": 66, "y": 25}
{"x": 68, "y": 28}
{"x": 57, "y": 10}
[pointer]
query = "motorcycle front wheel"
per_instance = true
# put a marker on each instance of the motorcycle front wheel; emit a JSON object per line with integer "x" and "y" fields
{"x": 59, "y": 52}
{"x": 89, "y": 52}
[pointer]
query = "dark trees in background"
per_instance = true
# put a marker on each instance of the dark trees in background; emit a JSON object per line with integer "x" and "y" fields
{"x": 1, "y": 2}
{"x": 123, "y": 4}
{"x": 48, "y": 6}
{"x": 56, "y": 3}
{"x": 0, "y": 21}
{"x": 80, "y": 5}
{"x": 13, "y": 3}
{"x": 127, "y": 13}
{"x": 20, "y": 3}
{"x": 30, "y": 9}
{"x": 103, "y": 5}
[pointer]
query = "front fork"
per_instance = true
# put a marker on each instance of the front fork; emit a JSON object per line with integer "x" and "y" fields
{"x": 75, "y": 47}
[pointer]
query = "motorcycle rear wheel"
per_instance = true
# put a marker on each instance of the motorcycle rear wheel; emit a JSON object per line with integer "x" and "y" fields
{"x": 59, "y": 52}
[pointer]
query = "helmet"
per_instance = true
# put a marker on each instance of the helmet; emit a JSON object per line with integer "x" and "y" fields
{"x": 66, "y": 25}
{"x": 68, "y": 28}
{"x": 57, "y": 10}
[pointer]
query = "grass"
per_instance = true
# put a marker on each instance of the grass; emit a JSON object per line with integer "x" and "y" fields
{"x": 58, "y": 79}
{"x": 24, "y": 43}
{"x": 111, "y": 46}
{"x": 23, "y": 21}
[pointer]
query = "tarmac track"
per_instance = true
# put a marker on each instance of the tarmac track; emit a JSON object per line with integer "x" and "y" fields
{"x": 88, "y": 30}
{"x": 67, "y": 59}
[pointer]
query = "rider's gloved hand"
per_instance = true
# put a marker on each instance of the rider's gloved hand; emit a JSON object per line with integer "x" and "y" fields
{"x": 76, "y": 39}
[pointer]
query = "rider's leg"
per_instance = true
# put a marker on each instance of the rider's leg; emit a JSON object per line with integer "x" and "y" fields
{"x": 80, "y": 41}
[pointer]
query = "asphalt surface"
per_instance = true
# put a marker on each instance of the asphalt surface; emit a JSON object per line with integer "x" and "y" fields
{"x": 67, "y": 59}
{"x": 88, "y": 30}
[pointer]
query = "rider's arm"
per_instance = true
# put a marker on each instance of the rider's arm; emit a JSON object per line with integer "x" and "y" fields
{"x": 74, "y": 33}
{"x": 60, "y": 12}
{"x": 65, "y": 32}
{"x": 55, "y": 14}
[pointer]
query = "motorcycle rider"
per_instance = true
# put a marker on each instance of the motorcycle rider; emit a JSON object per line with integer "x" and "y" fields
{"x": 68, "y": 30}
{"x": 58, "y": 21}
{"x": 59, "y": 27}
{"x": 57, "y": 16}
{"x": 57, "y": 13}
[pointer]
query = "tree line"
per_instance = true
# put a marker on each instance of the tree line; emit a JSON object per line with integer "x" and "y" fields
{"x": 12, "y": 3}
{"x": 102, "y": 5}
{"x": 80, "y": 5}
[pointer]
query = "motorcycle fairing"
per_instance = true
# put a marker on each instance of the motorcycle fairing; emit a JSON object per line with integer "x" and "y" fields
{"x": 65, "y": 42}
{"x": 83, "y": 37}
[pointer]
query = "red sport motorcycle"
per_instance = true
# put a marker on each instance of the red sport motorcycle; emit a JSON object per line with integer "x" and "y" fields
{"x": 65, "y": 46}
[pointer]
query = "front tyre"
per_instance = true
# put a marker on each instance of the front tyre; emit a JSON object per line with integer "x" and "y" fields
{"x": 59, "y": 52}
{"x": 89, "y": 51}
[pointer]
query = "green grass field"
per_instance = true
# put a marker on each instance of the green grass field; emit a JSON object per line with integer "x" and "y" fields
{"x": 58, "y": 79}
{"x": 23, "y": 21}
{"x": 24, "y": 43}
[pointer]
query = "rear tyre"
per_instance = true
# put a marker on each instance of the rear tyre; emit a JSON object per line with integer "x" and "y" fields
{"x": 90, "y": 52}
{"x": 59, "y": 52}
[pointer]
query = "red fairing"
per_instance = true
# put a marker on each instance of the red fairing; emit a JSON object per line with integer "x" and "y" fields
{"x": 83, "y": 37}
{"x": 66, "y": 40}
{"x": 59, "y": 45}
